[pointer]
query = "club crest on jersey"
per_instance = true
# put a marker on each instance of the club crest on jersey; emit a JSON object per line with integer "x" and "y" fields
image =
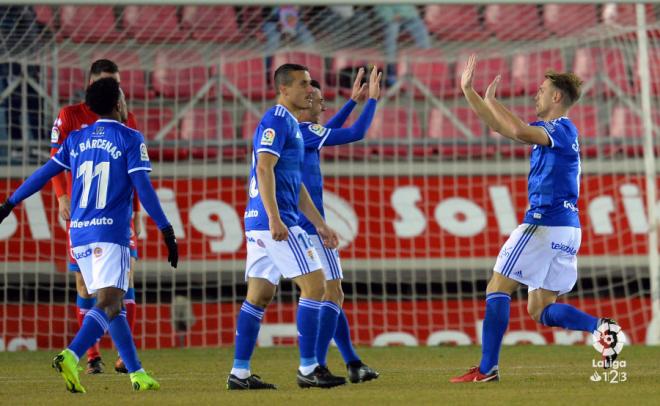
{"x": 144, "y": 155}
{"x": 268, "y": 136}
{"x": 98, "y": 251}
{"x": 310, "y": 254}
{"x": 317, "y": 129}
{"x": 55, "y": 135}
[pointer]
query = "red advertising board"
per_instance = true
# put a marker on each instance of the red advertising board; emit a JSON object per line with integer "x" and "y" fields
{"x": 377, "y": 217}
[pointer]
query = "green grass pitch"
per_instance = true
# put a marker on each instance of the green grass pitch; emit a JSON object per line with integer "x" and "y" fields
{"x": 530, "y": 375}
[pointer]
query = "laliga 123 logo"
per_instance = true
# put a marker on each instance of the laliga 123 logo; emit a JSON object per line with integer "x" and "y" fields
{"x": 609, "y": 340}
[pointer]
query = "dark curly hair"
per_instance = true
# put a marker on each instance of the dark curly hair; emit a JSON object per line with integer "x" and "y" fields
{"x": 102, "y": 96}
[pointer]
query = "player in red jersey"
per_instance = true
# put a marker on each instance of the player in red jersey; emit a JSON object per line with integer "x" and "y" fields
{"x": 71, "y": 118}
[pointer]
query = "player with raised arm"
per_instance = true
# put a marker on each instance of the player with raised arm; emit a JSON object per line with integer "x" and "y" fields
{"x": 276, "y": 245}
{"x": 332, "y": 319}
{"x": 71, "y": 118}
{"x": 108, "y": 161}
{"x": 541, "y": 252}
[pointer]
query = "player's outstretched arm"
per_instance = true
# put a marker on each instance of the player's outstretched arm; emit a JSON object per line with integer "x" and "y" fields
{"x": 32, "y": 185}
{"x": 306, "y": 205}
{"x": 149, "y": 200}
{"x": 514, "y": 125}
{"x": 266, "y": 185}
{"x": 358, "y": 130}
{"x": 357, "y": 95}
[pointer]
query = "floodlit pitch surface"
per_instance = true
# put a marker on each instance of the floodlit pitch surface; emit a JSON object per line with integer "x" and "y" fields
{"x": 530, "y": 375}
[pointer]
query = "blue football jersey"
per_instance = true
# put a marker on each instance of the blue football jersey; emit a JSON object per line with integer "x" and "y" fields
{"x": 100, "y": 158}
{"x": 314, "y": 135}
{"x": 277, "y": 134}
{"x": 553, "y": 183}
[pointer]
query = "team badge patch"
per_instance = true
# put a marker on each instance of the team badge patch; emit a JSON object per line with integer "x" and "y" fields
{"x": 98, "y": 251}
{"x": 317, "y": 129}
{"x": 55, "y": 135}
{"x": 144, "y": 155}
{"x": 310, "y": 254}
{"x": 268, "y": 136}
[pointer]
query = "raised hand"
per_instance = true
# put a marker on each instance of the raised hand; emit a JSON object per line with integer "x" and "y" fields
{"x": 374, "y": 83}
{"x": 359, "y": 89}
{"x": 492, "y": 88}
{"x": 468, "y": 73}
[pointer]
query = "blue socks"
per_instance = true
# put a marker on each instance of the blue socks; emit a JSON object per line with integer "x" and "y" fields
{"x": 85, "y": 305}
{"x": 123, "y": 339}
{"x": 247, "y": 331}
{"x": 307, "y": 320}
{"x": 343, "y": 339}
{"x": 94, "y": 326}
{"x": 568, "y": 317}
{"x": 498, "y": 307}
{"x": 328, "y": 316}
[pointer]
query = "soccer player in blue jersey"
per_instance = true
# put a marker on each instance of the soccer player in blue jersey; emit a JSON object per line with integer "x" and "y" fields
{"x": 541, "y": 252}
{"x": 107, "y": 161}
{"x": 332, "y": 319}
{"x": 276, "y": 245}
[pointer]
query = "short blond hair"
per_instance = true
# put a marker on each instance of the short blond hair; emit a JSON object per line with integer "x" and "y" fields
{"x": 568, "y": 84}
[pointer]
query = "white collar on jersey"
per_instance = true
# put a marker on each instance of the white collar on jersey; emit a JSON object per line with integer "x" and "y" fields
{"x": 284, "y": 109}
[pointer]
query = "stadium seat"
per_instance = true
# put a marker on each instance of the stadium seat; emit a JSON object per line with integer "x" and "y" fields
{"x": 313, "y": 60}
{"x": 448, "y": 141}
{"x": 133, "y": 77}
{"x": 429, "y": 67}
{"x": 514, "y": 22}
{"x": 394, "y": 132}
{"x": 246, "y": 71}
{"x": 616, "y": 70}
{"x": 179, "y": 82}
{"x": 627, "y": 127}
{"x": 654, "y": 71}
{"x": 152, "y": 23}
{"x": 569, "y": 19}
{"x": 625, "y": 14}
{"x": 207, "y": 136}
{"x": 488, "y": 68}
{"x": 89, "y": 24}
{"x": 211, "y": 23}
{"x": 45, "y": 16}
{"x": 150, "y": 121}
{"x": 528, "y": 69}
{"x": 70, "y": 77}
{"x": 455, "y": 22}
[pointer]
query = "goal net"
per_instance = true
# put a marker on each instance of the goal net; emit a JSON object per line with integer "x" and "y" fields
{"x": 422, "y": 205}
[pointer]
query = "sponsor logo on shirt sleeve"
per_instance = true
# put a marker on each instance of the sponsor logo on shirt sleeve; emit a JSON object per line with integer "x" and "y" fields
{"x": 144, "y": 155}
{"x": 55, "y": 135}
{"x": 268, "y": 136}
{"x": 317, "y": 129}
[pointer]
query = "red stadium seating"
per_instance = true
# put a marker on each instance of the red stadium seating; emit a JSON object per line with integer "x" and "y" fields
{"x": 45, "y": 16}
{"x": 211, "y": 23}
{"x": 654, "y": 71}
{"x": 585, "y": 65}
{"x": 487, "y": 69}
{"x": 528, "y": 69}
{"x": 616, "y": 70}
{"x": 514, "y": 22}
{"x": 392, "y": 127}
{"x": 246, "y": 71}
{"x": 568, "y": 19}
{"x": 249, "y": 124}
{"x": 455, "y": 22}
{"x": 150, "y": 121}
{"x": 625, "y": 14}
{"x": 626, "y": 125}
{"x": 71, "y": 80}
{"x": 180, "y": 83}
{"x": 428, "y": 66}
{"x": 450, "y": 141}
{"x": 90, "y": 24}
{"x": 202, "y": 129}
{"x": 152, "y": 23}
{"x": 133, "y": 78}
